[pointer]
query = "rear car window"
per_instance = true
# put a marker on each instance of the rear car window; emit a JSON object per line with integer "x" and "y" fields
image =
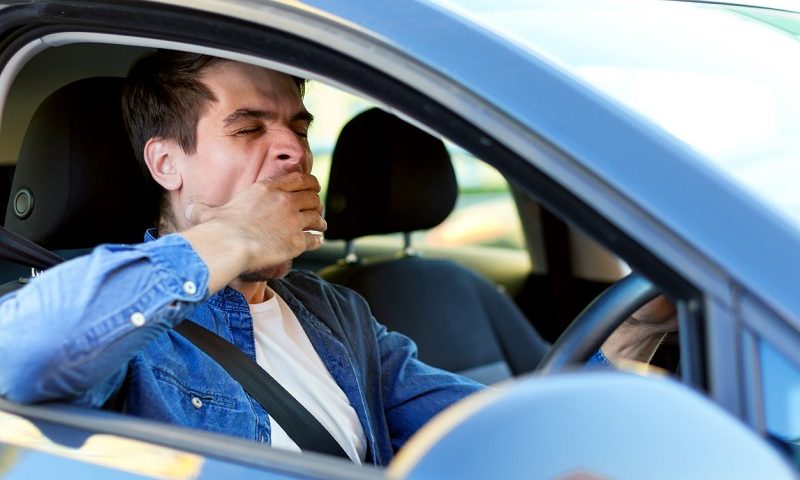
{"x": 485, "y": 214}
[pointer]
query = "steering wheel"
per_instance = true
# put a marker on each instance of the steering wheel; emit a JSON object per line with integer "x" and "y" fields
{"x": 597, "y": 321}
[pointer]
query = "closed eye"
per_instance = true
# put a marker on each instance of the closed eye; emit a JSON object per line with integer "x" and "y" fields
{"x": 248, "y": 131}
{"x": 301, "y": 127}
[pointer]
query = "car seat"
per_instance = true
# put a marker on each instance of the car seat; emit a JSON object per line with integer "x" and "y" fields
{"x": 6, "y": 174}
{"x": 386, "y": 177}
{"x": 77, "y": 183}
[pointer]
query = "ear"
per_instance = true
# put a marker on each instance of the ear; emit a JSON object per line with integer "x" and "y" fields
{"x": 161, "y": 157}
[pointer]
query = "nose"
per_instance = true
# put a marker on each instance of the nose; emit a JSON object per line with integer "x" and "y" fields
{"x": 290, "y": 151}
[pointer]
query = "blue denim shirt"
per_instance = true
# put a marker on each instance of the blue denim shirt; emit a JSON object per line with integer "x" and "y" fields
{"x": 97, "y": 331}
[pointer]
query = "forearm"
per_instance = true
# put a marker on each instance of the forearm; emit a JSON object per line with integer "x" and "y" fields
{"x": 640, "y": 335}
{"x": 413, "y": 391}
{"x": 79, "y": 323}
{"x": 633, "y": 341}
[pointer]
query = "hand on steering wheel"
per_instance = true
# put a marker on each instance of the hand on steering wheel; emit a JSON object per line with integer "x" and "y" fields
{"x": 602, "y": 317}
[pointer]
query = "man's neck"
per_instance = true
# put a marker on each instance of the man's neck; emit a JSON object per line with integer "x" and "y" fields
{"x": 253, "y": 292}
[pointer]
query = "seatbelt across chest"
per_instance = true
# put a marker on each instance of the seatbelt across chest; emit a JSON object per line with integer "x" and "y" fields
{"x": 301, "y": 426}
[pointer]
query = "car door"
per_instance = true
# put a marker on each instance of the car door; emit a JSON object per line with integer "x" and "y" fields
{"x": 568, "y": 149}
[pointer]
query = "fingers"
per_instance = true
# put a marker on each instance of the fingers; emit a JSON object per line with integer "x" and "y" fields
{"x": 304, "y": 189}
{"x": 313, "y": 221}
{"x": 308, "y": 200}
{"x": 297, "y": 181}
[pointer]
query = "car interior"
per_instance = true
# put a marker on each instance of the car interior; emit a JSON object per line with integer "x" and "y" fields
{"x": 63, "y": 147}
{"x": 543, "y": 283}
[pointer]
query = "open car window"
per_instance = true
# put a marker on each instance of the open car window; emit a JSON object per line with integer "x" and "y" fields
{"x": 485, "y": 213}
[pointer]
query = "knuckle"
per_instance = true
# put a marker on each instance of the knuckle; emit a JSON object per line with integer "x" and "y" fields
{"x": 286, "y": 201}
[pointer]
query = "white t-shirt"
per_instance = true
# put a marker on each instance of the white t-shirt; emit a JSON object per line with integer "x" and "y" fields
{"x": 283, "y": 350}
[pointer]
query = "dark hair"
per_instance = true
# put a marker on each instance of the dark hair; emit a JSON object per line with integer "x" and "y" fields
{"x": 164, "y": 97}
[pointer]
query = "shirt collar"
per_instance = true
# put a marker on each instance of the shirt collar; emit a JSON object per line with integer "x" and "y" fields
{"x": 150, "y": 235}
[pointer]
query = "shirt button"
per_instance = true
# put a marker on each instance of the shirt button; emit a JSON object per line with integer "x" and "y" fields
{"x": 189, "y": 287}
{"x": 137, "y": 319}
{"x": 197, "y": 403}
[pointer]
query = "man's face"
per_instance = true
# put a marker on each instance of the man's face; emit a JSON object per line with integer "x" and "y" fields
{"x": 256, "y": 130}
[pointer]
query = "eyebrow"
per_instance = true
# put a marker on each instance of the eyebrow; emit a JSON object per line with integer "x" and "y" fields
{"x": 246, "y": 113}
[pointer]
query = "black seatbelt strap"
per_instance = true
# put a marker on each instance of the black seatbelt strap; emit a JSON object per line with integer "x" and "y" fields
{"x": 18, "y": 249}
{"x": 293, "y": 417}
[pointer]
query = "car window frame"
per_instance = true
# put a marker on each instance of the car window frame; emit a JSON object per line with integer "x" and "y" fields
{"x": 82, "y": 423}
{"x": 762, "y": 325}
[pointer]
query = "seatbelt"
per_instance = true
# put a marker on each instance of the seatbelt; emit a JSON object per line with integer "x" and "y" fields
{"x": 293, "y": 417}
{"x": 18, "y": 249}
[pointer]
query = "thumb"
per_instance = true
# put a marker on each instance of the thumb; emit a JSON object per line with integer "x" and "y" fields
{"x": 196, "y": 213}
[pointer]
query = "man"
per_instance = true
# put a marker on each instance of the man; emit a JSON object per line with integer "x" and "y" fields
{"x": 227, "y": 143}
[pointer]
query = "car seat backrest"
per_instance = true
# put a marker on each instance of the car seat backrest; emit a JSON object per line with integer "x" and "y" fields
{"x": 8, "y": 271}
{"x": 6, "y": 175}
{"x": 388, "y": 176}
{"x": 77, "y": 182}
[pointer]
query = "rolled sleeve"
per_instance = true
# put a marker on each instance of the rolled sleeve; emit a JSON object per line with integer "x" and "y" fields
{"x": 79, "y": 323}
{"x": 599, "y": 360}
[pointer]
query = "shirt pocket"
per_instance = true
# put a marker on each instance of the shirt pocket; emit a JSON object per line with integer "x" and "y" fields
{"x": 196, "y": 403}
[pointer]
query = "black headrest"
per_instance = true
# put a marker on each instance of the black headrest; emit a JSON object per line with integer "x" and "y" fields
{"x": 77, "y": 182}
{"x": 387, "y": 176}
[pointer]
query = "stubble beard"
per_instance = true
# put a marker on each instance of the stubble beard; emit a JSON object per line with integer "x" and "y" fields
{"x": 266, "y": 274}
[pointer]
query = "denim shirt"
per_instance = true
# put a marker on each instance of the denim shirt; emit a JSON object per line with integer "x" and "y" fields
{"x": 98, "y": 331}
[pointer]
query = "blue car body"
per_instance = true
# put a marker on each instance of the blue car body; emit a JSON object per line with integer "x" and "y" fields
{"x": 729, "y": 256}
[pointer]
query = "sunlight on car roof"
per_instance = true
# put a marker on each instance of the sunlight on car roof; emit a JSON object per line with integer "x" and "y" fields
{"x": 721, "y": 78}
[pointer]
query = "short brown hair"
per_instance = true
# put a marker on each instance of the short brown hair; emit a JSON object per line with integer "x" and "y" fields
{"x": 164, "y": 97}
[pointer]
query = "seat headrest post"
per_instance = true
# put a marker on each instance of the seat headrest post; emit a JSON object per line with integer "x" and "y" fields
{"x": 350, "y": 256}
{"x": 408, "y": 249}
